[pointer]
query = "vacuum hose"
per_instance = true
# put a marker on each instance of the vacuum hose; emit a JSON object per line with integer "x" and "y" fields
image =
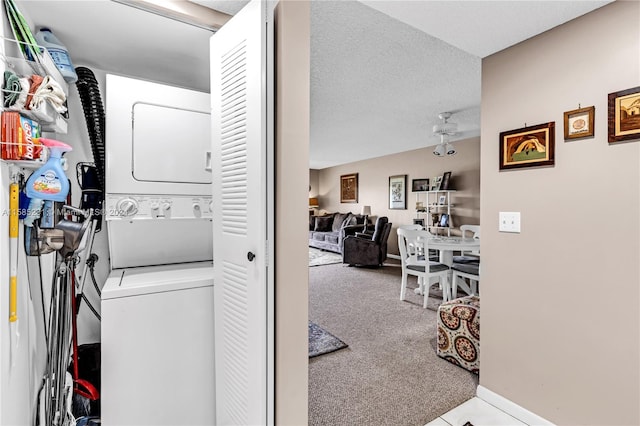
{"x": 89, "y": 92}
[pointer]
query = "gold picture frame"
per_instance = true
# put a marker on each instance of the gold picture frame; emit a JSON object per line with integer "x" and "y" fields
{"x": 624, "y": 115}
{"x": 579, "y": 123}
{"x": 531, "y": 146}
{"x": 349, "y": 188}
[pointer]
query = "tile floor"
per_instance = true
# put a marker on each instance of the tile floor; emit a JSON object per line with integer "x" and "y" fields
{"x": 478, "y": 413}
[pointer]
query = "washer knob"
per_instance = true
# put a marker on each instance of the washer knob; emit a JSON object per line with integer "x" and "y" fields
{"x": 127, "y": 207}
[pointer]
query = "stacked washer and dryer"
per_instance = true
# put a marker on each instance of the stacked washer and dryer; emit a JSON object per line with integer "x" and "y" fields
{"x": 157, "y": 304}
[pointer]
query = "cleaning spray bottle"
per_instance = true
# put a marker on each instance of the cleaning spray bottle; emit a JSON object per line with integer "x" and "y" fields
{"x": 47, "y": 184}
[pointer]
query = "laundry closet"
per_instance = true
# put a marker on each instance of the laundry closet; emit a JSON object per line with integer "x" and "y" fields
{"x": 147, "y": 298}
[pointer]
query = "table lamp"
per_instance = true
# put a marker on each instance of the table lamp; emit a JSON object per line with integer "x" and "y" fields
{"x": 366, "y": 211}
{"x": 313, "y": 204}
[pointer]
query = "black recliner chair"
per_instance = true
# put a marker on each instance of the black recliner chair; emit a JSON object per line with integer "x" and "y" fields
{"x": 365, "y": 249}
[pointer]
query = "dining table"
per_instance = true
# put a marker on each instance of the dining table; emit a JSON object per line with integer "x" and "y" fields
{"x": 447, "y": 246}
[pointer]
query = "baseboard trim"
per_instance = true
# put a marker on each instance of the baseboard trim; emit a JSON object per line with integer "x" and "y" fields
{"x": 510, "y": 407}
{"x": 393, "y": 256}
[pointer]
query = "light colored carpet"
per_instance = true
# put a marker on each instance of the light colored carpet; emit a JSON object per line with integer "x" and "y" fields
{"x": 390, "y": 373}
{"x": 319, "y": 257}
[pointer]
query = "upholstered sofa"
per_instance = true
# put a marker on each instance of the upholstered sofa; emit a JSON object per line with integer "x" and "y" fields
{"x": 329, "y": 231}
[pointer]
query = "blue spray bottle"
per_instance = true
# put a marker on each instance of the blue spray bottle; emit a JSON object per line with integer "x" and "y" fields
{"x": 49, "y": 183}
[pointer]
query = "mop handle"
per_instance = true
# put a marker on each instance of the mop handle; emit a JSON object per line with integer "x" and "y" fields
{"x": 13, "y": 238}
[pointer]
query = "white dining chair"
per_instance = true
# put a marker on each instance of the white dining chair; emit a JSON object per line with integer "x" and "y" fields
{"x": 413, "y": 244}
{"x": 462, "y": 271}
{"x": 414, "y": 227}
{"x": 466, "y": 266}
{"x": 469, "y": 231}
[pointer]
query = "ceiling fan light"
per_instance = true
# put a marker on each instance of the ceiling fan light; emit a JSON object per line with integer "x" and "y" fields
{"x": 445, "y": 128}
{"x": 450, "y": 149}
{"x": 439, "y": 150}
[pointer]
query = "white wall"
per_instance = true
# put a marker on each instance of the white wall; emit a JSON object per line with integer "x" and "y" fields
{"x": 21, "y": 380}
{"x": 560, "y": 300}
{"x": 20, "y": 383}
{"x": 78, "y": 137}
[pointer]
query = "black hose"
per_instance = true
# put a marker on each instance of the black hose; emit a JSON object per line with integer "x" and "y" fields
{"x": 90, "y": 306}
{"x": 89, "y": 92}
{"x": 95, "y": 283}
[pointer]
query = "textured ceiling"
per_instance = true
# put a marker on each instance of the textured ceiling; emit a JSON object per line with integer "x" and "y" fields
{"x": 482, "y": 28}
{"x": 377, "y": 85}
{"x": 381, "y": 73}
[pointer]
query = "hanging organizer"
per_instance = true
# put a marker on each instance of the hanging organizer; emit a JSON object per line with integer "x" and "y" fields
{"x": 46, "y": 116}
{"x": 50, "y": 120}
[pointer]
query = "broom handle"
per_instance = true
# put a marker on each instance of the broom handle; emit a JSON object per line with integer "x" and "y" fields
{"x": 13, "y": 236}
{"x": 13, "y": 280}
{"x": 74, "y": 329}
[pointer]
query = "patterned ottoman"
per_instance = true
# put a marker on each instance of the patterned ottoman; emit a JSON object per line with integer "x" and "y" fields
{"x": 459, "y": 332}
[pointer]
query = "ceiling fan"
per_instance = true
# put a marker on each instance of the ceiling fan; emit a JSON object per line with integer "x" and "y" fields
{"x": 444, "y": 129}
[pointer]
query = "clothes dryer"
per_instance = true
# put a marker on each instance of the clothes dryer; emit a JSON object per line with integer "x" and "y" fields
{"x": 158, "y": 175}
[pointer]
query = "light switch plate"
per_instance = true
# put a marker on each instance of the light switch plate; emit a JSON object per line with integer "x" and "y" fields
{"x": 509, "y": 222}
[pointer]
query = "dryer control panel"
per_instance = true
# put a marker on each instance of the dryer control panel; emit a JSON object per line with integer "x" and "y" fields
{"x": 134, "y": 206}
{"x": 158, "y": 229}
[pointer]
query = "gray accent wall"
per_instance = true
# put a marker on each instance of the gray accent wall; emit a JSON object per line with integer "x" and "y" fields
{"x": 560, "y": 300}
{"x": 291, "y": 186}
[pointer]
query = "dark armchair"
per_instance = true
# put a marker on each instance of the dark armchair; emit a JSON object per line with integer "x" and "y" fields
{"x": 366, "y": 249}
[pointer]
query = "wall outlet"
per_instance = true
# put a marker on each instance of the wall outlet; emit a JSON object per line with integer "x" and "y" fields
{"x": 509, "y": 222}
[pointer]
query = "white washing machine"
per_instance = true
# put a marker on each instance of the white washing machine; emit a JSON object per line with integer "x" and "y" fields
{"x": 157, "y": 304}
{"x": 157, "y": 346}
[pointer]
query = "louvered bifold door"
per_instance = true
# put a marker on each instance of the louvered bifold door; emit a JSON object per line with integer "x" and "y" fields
{"x": 238, "y": 96}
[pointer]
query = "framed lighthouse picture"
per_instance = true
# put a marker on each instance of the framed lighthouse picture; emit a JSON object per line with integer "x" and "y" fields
{"x": 624, "y": 115}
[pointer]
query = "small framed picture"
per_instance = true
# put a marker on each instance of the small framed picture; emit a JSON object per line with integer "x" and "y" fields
{"x": 398, "y": 192}
{"x": 419, "y": 185}
{"x": 349, "y": 188}
{"x": 624, "y": 115}
{"x": 442, "y": 200}
{"x": 435, "y": 183}
{"x": 444, "y": 221}
{"x": 445, "y": 181}
{"x": 579, "y": 123}
{"x": 418, "y": 222}
{"x": 531, "y": 146}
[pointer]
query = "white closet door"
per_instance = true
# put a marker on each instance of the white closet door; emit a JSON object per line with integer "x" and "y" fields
{"x": 242, "y": 217}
